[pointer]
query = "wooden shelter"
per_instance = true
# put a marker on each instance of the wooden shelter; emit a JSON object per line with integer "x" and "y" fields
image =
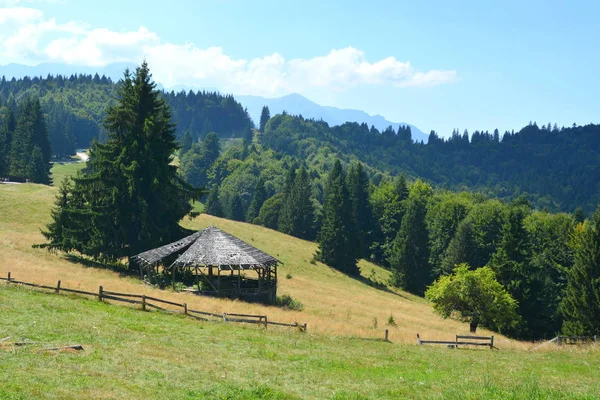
{"x": 222, "y": 264}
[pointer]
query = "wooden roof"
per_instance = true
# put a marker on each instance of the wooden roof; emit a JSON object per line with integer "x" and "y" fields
{"x": 210, "y": 246}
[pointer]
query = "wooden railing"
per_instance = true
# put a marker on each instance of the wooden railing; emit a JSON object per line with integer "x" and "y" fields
{"x": 146, "y": 302}
{"x": 462, "y": 340}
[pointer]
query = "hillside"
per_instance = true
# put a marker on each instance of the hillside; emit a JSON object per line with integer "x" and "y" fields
{"x": 333, "y": 302}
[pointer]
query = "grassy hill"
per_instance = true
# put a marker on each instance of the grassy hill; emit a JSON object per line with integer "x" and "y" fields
{"x": 333, "y": 302}
{"x": 132, "y": 354}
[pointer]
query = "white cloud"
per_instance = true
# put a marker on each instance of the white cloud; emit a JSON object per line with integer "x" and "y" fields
{"x": 27, "y": 37}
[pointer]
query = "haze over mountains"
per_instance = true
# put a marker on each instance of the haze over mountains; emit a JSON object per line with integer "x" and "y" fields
{"x": 293, "y": 103}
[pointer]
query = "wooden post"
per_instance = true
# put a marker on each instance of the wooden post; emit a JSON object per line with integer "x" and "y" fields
{"x": 386, "y": 335}
{"x": 304, "y": 328}
{"x": 100, "y": 293}
{"x": 266, "y": 322}
{"x": 492, "y": 342}
{"x": 185, "y": 308}
{"x": 239, "y": 280}
{"x": 144, "y": 302}
{"x": 9, "y": 277}
{"x": 558, "y": 340}
{"x": 173, "y": 277}
{"x": 58, "y": 287}
{"x": 219, "y": 279}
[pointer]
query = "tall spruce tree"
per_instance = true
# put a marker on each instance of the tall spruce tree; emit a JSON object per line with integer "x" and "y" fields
{"x": 358, "y": 188}
{"x": 258, "y": 199}
{"x": 30, "y": 146}
{"x": 213, "y": 204}
{"x": 512, "y": 265}
{"x": 236, "y": 208}
{"x": 130, "y": 193}
{"x": 265, "y": 116}
{"x": 298, "y": 210}
{"x": 409, "y": 259}
{"x": 335, "y": 242}
{"x": 580, "y": 306}
{"x": 7, "y": 129}
{"x": 286, "y": 217}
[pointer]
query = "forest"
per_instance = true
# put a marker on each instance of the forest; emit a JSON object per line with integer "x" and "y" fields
{"x": 425, "y": 212}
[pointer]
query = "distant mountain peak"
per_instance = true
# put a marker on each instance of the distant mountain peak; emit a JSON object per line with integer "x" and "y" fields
{"x": 296, "y": 104}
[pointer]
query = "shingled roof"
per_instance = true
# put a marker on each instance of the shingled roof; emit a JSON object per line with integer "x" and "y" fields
{"x": 210, "y": 246}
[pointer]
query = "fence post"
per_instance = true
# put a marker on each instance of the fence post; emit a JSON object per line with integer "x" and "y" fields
{"x": 144, "y": 302}
{"x": 9, "y": 277}
{"x": 304, "y": 328}
{"x": 558, "y": 340}
{"x": 492, "y": 342}
{"x": 185, "y": 308}
{"x": 58, "y": 287}
{"x": 266, "y": 322}
{"x": 100, "y": 293}
{"x": 386, "y": 335}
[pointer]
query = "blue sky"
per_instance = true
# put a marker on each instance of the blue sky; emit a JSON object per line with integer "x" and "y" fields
{"x": 438, "y": 65}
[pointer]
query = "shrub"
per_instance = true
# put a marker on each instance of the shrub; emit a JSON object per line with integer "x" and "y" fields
{"x": 286, "y": 301}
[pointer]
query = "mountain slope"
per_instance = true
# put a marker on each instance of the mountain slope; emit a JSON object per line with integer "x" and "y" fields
{"x": 296, "y": 104}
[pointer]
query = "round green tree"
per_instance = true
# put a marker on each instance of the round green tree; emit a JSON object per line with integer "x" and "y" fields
{"x": 473, "y": 296}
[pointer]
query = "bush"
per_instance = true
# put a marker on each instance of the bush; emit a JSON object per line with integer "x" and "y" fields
{"x": 391, "y": 321}
{"x": 286, "y": 301}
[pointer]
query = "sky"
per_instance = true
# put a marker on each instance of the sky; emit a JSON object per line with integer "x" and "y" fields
{"x": 438, "y": 65}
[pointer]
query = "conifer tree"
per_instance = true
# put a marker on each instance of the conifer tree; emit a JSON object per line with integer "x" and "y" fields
{"x": 130, "y": 193}
{"x": 186, "y": 143}
{"x": 409, "y": 258}
{"x": 258, "y": 199}
{"x": 7, "y": 129}
{"x": 236, "y": 208}
{"x": 213, "y": 204}
{"x": 358, "y": 187}
{"x": 298, "y": 210}
{"x": 30, "y": 146}
{"x": 265, "y": 115}
{"x": 286, "y": 217}
{"x": 335, "y": 243}
{"x": 580, "y": 306}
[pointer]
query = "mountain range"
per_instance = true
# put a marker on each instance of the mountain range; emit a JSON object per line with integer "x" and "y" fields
{"x": 294, "y": 103}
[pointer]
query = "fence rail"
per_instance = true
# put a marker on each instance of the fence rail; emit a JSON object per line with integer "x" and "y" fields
{"x": 144, "y": 301}
{"x": 461, "y": 340}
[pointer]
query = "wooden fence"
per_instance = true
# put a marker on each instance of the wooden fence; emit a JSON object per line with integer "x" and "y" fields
{"x": 146, "y": 302}
{"x": 461, "y": 340}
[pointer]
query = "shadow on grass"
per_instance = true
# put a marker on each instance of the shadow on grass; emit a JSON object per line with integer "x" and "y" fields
{"x": 376, "y": 285}
{"x": 121, "y": 269}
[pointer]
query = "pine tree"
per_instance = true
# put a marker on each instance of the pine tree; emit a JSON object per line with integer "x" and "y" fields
{"x": 130, "y": 193}
{"x": 265, "y": 115}
{"x": 335, "y": 245}
{"x": 213, "y": 204}
{"x": 7, "y": 129}
{"x": 298, "y": 210}
{"x": 186, "y": 143}
{"x": 236, "y": 208}
{"x": 286, "y": 216}
{"x": 580, "y": 306}
{"x": 512, "y": 264}
{"x": 258, "y": 199}
{"x": 30, "y": 147}
{"x": 358, "y": 187}
{"x": 409, "y": 258}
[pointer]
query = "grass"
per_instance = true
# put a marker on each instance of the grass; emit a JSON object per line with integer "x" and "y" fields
{"x": 61, "y": 170}
{"x": 133, "y": 354}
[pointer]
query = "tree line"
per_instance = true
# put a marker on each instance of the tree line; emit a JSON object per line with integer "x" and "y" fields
{"x": 25, "y": 150}
{"x": 552, "y": 165}
{"x": 74, "y": 109}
